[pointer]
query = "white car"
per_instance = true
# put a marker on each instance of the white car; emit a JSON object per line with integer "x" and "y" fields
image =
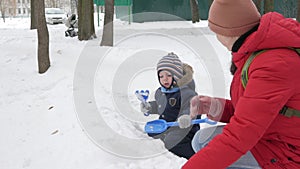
{"x": 55, "y": 15}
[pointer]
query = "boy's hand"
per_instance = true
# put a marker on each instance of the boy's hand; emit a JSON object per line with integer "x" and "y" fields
{"x": 145, "y": 107}
{"x": 185, "y": 121}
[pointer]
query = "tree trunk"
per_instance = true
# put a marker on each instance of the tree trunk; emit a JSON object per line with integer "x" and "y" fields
{"x": 268, "y": 6}
{"x": 3, "y": 15}
{"x": 195, "y": 11}
{"x": 33, "y": 17}
{"x": 258, "y": 4}
{"x": 298, "y": 11}
{"x": 43, "y": 37}
{"x": 86, "y": 29}
{"x": 107, "y": 35}
{"x": 2, "y": 9}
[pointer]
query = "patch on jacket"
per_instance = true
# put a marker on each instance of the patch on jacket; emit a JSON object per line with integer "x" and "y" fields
{"x": 172, "y": 101}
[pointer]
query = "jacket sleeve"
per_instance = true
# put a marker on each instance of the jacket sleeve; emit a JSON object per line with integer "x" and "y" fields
{"x": 186, "y": 96}
{"x": 153, "y": 107}
{"x": 227, "y": 112}
{"x": 269, "y": 87}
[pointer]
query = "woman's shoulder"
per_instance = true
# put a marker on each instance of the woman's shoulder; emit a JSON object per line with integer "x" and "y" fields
{"x": 276, "y": 59}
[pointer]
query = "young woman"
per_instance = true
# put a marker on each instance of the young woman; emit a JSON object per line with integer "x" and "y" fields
{"x": 263, "y": 116}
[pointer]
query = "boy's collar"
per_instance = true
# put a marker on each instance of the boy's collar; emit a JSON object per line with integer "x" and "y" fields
{"x": 172, "y": 90}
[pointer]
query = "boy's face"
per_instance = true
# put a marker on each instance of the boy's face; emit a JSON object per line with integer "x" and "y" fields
{"x": 165, "y": 78}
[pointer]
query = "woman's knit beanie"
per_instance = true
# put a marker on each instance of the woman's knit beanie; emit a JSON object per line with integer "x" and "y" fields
{"x": 232, "y": 18}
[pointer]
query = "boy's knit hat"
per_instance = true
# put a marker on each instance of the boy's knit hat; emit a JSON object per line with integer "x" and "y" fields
{"x": 171, "y": 63}
{"x": 232, "y": 17}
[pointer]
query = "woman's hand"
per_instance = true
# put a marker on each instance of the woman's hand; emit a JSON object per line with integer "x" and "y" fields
{"x": 212, "y": 107}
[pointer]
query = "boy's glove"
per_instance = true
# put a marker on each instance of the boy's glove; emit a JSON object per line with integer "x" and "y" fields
{"x": 145, "y": 107}
{"x": 185, "y": 121}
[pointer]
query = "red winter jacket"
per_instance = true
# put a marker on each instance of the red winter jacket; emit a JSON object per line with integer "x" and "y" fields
{"x": 254, "y": 121}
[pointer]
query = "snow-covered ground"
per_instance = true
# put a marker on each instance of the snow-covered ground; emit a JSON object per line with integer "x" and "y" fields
{"x": 82, "y": 113}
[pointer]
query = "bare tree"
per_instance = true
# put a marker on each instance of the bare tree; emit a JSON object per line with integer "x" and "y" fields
{"x": 3, "y": 9}
{"x": 298, "y": 11}
{"x": 268, "y": 6}
{"x": 108, "y": 29}
{"x": 195, "y": 11}
{"x": 43, "y": 37}
{"x": 32, "y": 15}
{"x": 86, "y": 29}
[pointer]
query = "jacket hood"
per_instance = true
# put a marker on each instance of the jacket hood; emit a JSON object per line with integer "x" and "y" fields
{"x": 274, "y": 31}
{"x": 187, "y": 77}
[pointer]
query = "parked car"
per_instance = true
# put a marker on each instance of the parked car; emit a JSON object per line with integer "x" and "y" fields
{"x": 55, "y": 15}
